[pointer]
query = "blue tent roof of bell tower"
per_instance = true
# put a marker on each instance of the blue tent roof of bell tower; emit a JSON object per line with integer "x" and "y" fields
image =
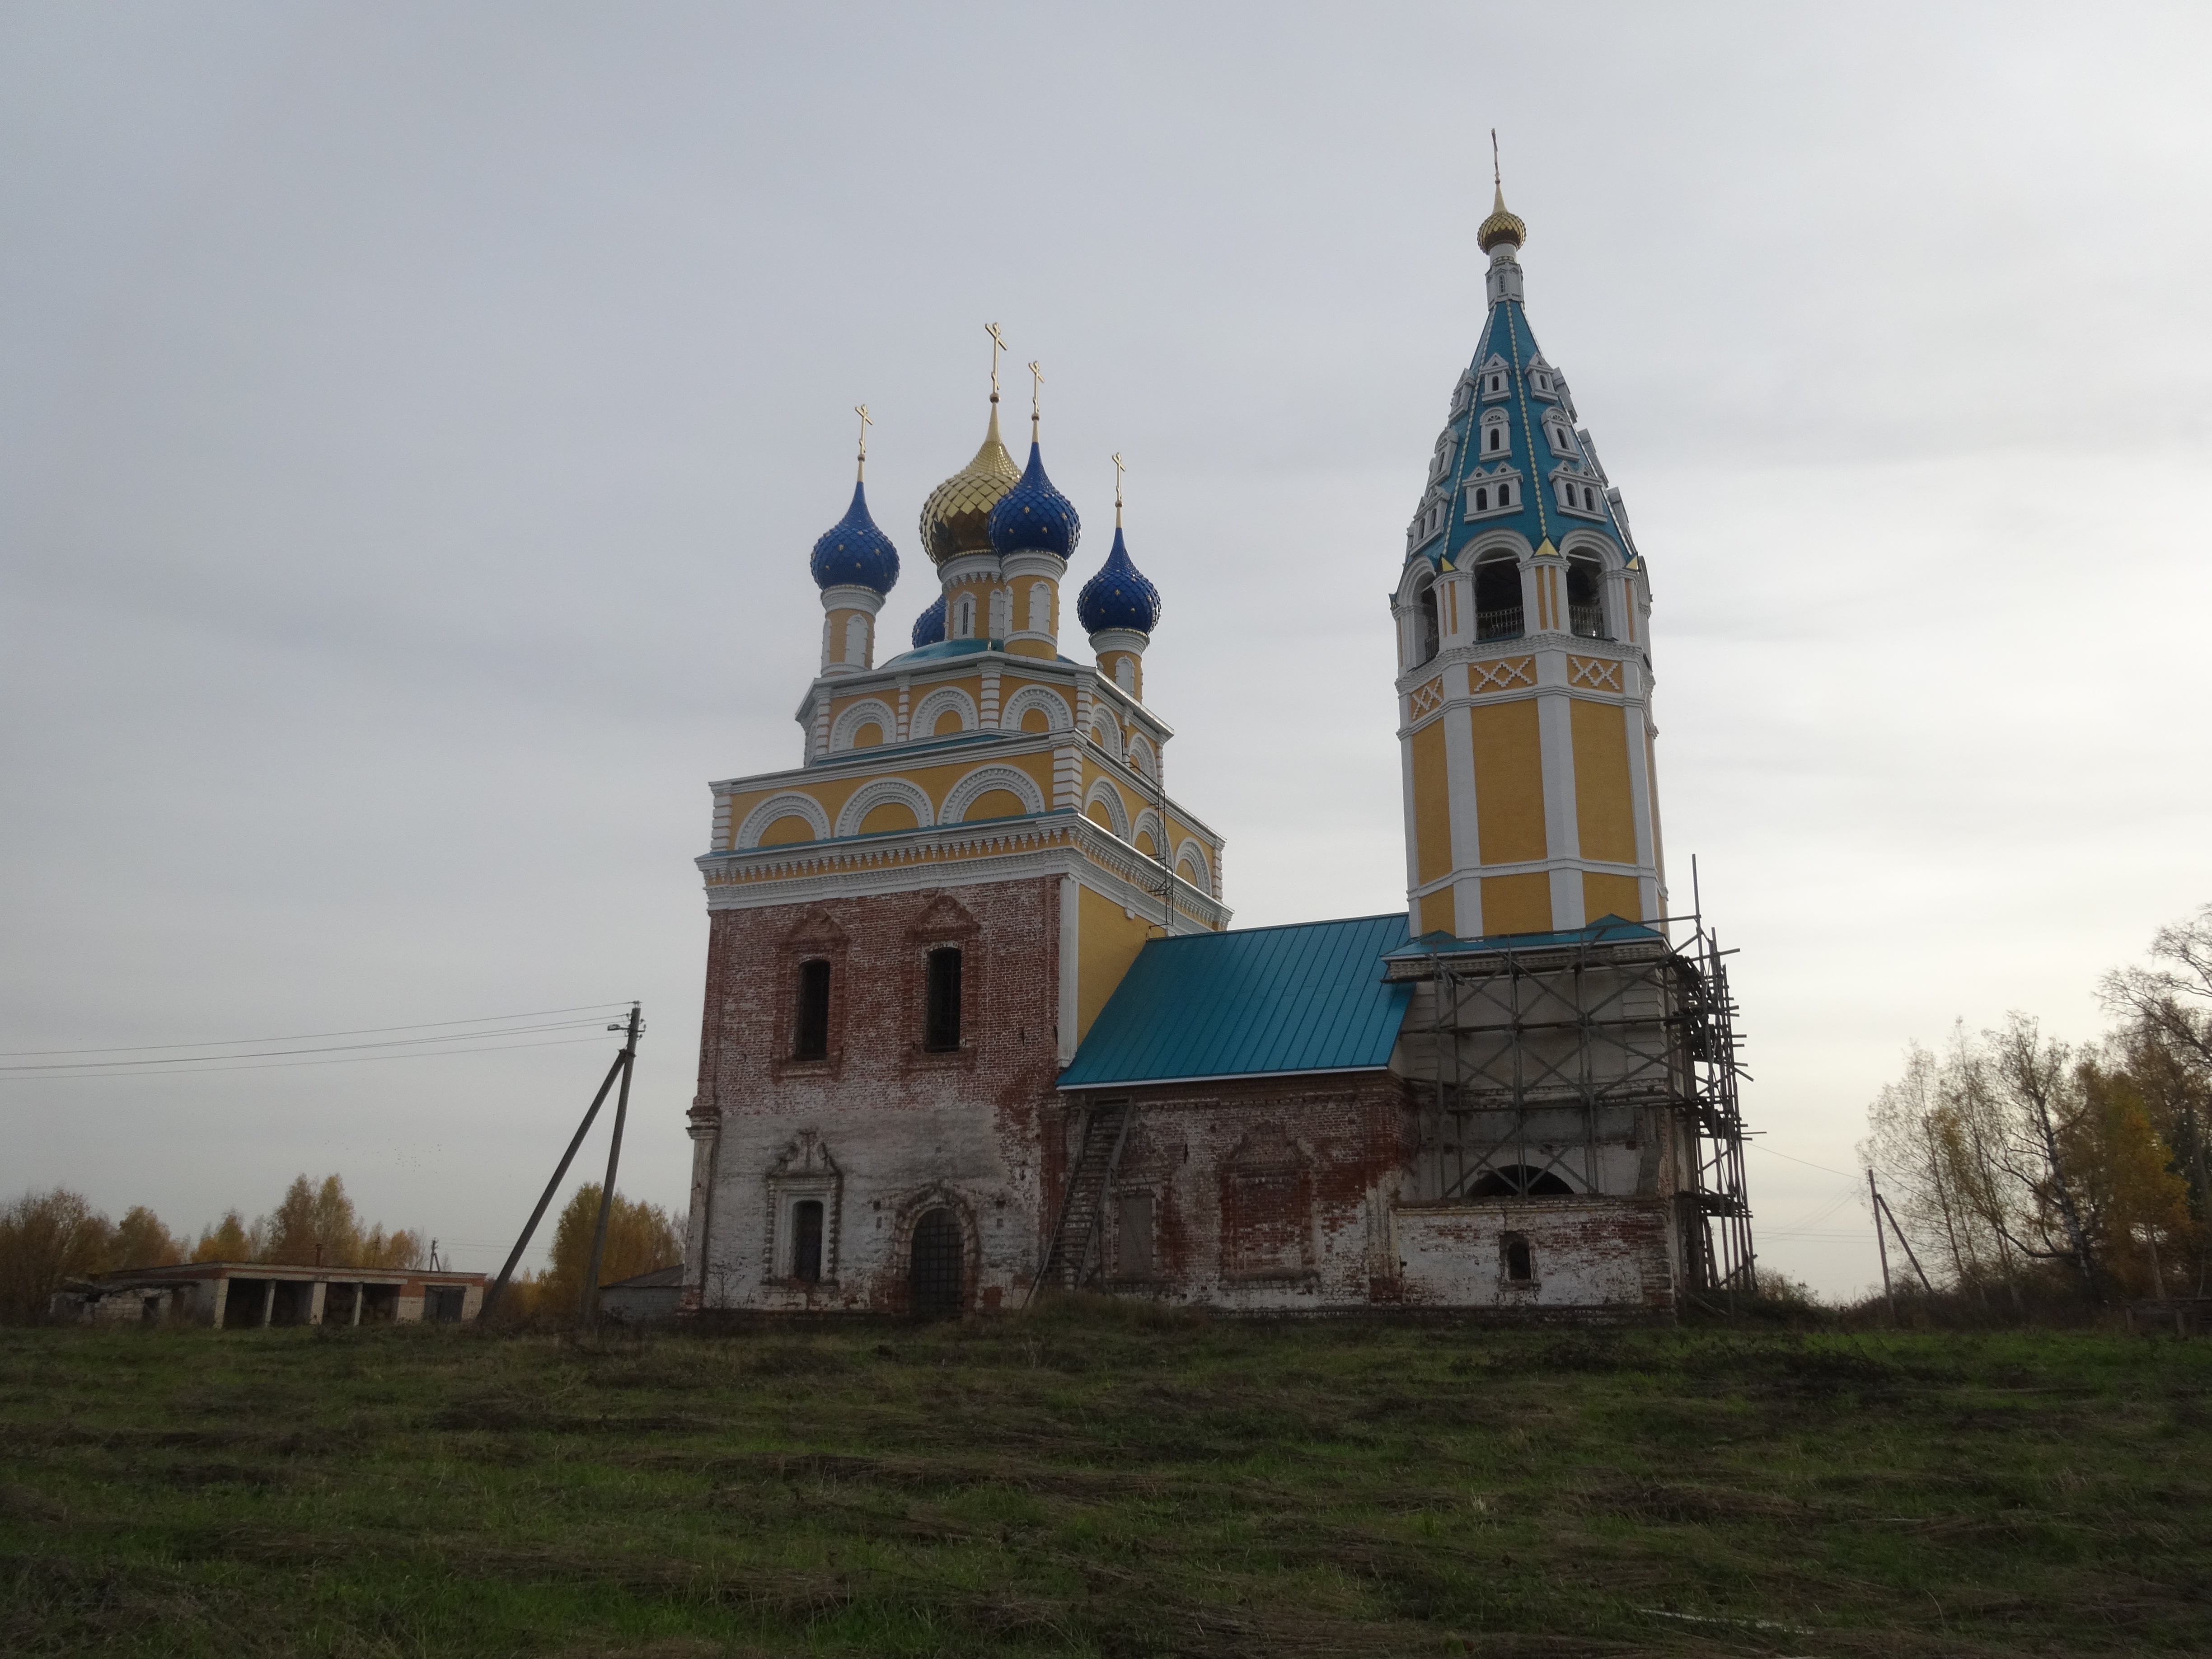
{"x": 1526, "y": 459}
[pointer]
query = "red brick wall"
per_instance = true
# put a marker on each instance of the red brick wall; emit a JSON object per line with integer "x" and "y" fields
{"x": 907, "y": 1129}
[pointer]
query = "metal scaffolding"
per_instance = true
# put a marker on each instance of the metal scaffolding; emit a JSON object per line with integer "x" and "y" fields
{"x": 1599, "y": 1063}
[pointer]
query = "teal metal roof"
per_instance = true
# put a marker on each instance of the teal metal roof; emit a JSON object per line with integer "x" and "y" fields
{"x": 1308, "y": 997}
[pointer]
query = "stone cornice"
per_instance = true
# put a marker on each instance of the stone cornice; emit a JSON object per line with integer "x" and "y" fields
{"x": 1055, "y": 844}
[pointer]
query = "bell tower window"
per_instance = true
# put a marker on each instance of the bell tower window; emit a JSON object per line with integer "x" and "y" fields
{"x": 1498, "y": 599}
{"x": 1428, "y": 633}
{"x": 1586, "y": 596}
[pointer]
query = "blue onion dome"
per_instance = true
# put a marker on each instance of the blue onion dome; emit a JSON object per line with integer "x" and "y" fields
{"x": 1119, "y": 596}
{"x": 853, "y": 553}
{"x": 1033, "y": 517}
{"x": 929, "y": 626}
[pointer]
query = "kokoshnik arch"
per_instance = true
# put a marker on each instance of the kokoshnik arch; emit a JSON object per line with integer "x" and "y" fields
{"x": 976, "y": 1022}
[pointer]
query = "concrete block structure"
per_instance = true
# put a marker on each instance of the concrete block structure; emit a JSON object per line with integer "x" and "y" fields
{"x": 249, "y": 1295}
{"x": 975, "y": 1023}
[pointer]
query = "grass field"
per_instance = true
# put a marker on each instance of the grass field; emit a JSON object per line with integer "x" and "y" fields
{"x": 1097, "y": 1480}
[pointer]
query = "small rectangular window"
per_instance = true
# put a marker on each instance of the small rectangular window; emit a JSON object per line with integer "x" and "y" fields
{"x": 806, "y": 1240}
{"x": 1133, "y": 1258}
{"x": 811, "y": 1036}
{"x": 941, "y": 1011}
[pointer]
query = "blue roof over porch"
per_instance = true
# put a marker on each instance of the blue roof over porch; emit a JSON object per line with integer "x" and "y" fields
{"x": 1306, "y": 997}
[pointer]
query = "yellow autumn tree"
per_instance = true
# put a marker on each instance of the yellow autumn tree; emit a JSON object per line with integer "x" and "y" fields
{"x": 641, "y": 1236}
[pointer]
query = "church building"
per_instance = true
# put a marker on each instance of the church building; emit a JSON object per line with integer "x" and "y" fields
{"x": 976, "y": 1024}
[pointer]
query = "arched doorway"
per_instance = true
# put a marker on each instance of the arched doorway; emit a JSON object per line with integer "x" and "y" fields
{"x": 933, "y": 1286}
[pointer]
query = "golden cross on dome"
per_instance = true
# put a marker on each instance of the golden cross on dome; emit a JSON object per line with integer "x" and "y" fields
{"x": 998, "y": 345}
{"x": 866, "y": 420}
{"x": 1497, "y": 178}
{"x": 1118, "y": 470}
{"x": 1036, "y": 392}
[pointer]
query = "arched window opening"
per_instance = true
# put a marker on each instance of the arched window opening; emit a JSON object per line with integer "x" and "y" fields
{"x": 1586, "y": 597}
{"x": 1428, "y": 632}
{"x": 1520, "y": 1261}
{"x": 810, "y": 1031}
{"x": 806, "y": 1240}
{"x": 1496, "y": 438}
{"x": 1505, "y": 494}
{"x": 933, "y": 1267}
{"x": 1482, "y": 499}
{"x": 941, "y": 1009}
{"x": 1498, "y": 599}
{"x": 1519, "y": 1180}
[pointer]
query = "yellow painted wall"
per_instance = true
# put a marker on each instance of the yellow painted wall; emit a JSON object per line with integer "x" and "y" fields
{"x": 994, "y": 803}
{"x": 1036, "y": 719}
{"x": 891, "y": 815}
{"x": 948, "y": 725}
{"x": 786, "y": 831}
{"x": 1107, "y": 942}
{"x": 867, "y": 735}
{"x": 1615, "y": 896}
{"x": 1508, "y": 787}
{"x": 935, "y": 782}
{"x": 1605, "y": 811}
{"x": 1439, "y": 912}
{"x": 1516, "y": 904}
{"x": 1098, "y": 815}
{"x": 1431, "y": 803}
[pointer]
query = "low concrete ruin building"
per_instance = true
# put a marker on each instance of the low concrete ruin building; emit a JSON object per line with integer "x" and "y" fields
{"x": 247, "y": 1295}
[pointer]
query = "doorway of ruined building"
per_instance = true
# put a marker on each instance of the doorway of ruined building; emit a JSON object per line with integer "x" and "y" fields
{"x": 935, "y": 1266}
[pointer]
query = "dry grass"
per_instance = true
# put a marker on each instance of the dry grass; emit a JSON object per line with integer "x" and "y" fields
{"x": 1102, "y": 1480}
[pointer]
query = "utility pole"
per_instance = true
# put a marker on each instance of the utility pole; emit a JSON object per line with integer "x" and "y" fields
{"x": 529, "y": 1227}
{"x": 589, "y": 1303}
{"x": 1882, "y": 1244}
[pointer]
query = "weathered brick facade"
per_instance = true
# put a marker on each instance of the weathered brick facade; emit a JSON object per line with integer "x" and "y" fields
{"x": 1292, "y": 1194}
{"x": 879, "y": 1131}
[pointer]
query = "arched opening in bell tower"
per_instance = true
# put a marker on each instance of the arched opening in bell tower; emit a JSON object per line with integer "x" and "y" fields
{"x": 1497, "y": 599}
{"x": 1586, "y": 596}
{"x": 1428, "y": 630}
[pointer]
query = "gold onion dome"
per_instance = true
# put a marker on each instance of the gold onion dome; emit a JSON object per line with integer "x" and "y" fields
{"x": 1501, "y": 227}
{"x": 957, "y": 517}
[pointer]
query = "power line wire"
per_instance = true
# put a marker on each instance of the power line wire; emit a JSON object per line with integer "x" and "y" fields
{"x": 286, "y": 1065}
{"x": 313, "y": 1036}
{"x": 189, "y": 1061}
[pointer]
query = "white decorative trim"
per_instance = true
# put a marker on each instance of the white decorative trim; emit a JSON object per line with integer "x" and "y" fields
{"x": 876, "y": 709}
{"x": 952, "y": 856}
{"x": 1013, "y": 779}
{"x": 1102, "y": 717}
{"x": 1149, "y": 819}
{"x": 1141, "y": 757}
{"x": 1190, "y": 847}
{"x": 1055, "y": 709}
{"x": 882, "y": 793}
{"x": 931, "y": 707}
{"x": 790, "y": 804}
{"x": 1116, "y": 809}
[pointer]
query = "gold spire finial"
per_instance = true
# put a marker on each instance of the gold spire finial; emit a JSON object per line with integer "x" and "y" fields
{"x": 1502, "y": 224}
{"x": 866, "y": 420}
{"x": 1036, "y": 393}
{"x": 1118, "y": 470}
{"x": 998, "y": 345}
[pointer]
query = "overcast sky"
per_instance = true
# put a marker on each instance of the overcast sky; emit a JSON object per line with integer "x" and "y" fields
{"x": 414, "y": 421}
